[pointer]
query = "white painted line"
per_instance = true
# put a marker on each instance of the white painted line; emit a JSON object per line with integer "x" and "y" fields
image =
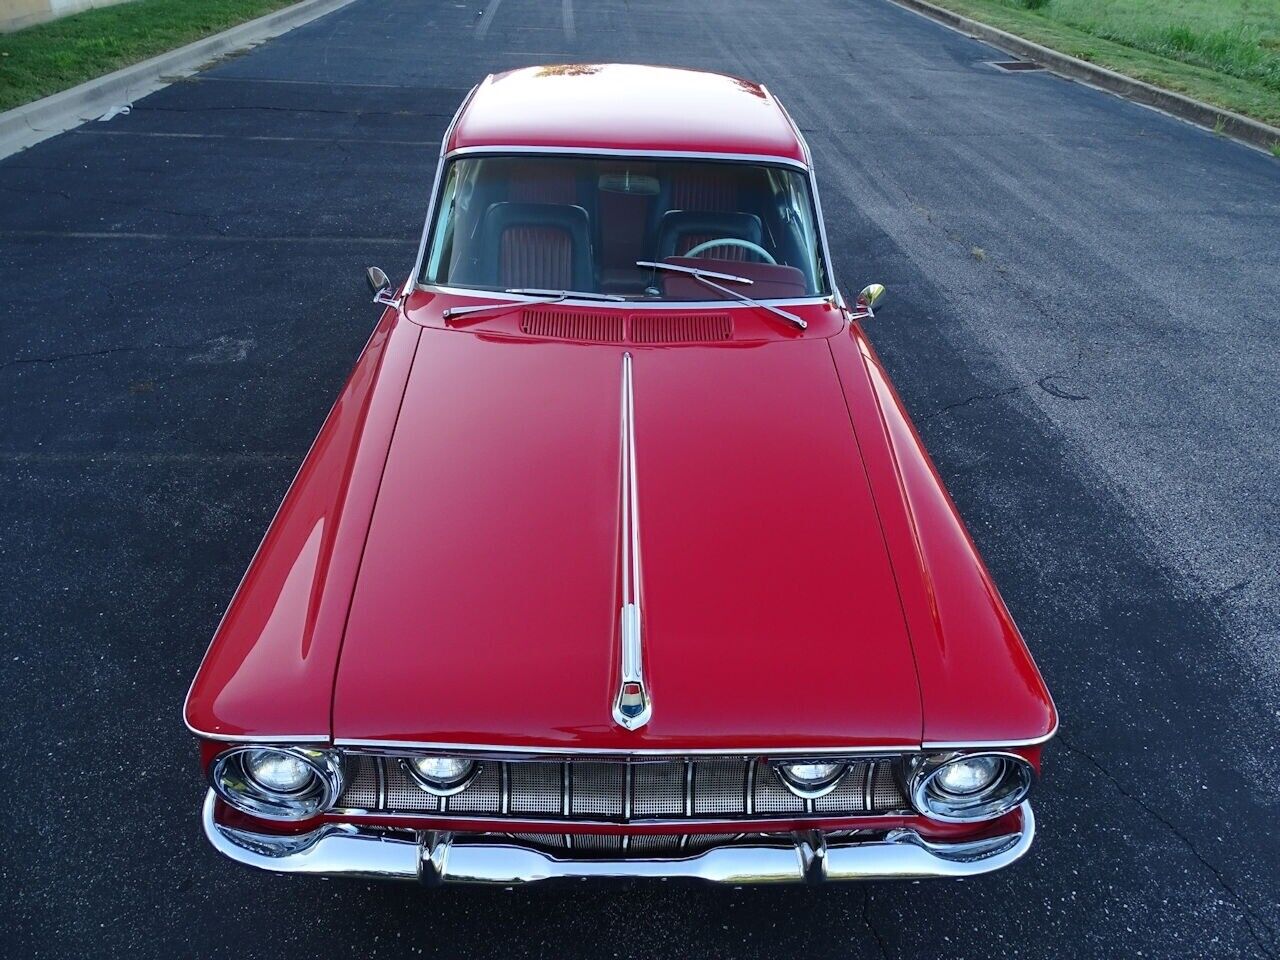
{"x": 566, "y": 13}
{"x": 197, "y": 237}
{"x": 482, "y": 28}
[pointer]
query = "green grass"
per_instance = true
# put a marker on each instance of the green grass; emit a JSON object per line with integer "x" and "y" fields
{"x": 1225, "y": 52}
{"x": 49, "y": 57}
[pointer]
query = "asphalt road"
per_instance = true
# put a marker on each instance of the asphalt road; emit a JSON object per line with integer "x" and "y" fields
{"x": 1081, "y": 316}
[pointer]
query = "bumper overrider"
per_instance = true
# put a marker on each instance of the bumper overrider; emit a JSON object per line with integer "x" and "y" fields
{"x": 432, "y": 857}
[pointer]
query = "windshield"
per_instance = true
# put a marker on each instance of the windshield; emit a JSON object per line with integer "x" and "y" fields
{"x": 581, "y": 224}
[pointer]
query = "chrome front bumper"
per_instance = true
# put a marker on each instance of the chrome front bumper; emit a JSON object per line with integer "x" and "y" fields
{"x": 346, "y": 850}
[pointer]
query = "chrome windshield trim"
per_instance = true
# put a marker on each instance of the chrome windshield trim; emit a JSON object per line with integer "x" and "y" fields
{"x": 709, "y": 305}
{"x": 570, "y": 151}
{"x": 817, "y": 201}
{"x": 632, "y": 707}
{"x": 434, "y": 196}
{"x": 806, "y": 168}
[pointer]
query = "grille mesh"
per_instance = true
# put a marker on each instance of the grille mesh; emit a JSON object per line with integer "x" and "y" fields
{"x": 719, "y": 787}
{"x": 483, "y": 795}
{"x": 850, "y": 793}
{"x": 658, "y": 789}
{"x": 362, "y": 784}
{"x": 697, "y": 788}
{"x": 537, "y": 787}
{"x": 598, "y": 789}
{"x": 664, "y": 845}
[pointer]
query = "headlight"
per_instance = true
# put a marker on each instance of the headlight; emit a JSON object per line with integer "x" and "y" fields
{"x": 961, "y": 788}
{"x": 811, "y": 778}
{"x": 277, "y": 771}
{"x": 442, "y": 776}
{"x": 278, "y": 783}
{"x": 967, "y": 776}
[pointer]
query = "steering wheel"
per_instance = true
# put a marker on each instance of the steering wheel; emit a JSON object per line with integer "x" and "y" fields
{"x": 732, "y": 242}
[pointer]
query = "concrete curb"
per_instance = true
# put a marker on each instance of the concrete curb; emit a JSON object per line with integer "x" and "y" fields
{"x": 1253, "y": 132}
{"x": 30, "y": 123}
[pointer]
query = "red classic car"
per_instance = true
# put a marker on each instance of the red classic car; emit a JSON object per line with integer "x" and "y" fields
{"x": 618, "y": 555}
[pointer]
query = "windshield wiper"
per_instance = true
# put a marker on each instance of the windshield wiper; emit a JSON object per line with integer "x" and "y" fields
{"x": 544, "y": 296}
{"x": 704, "y": 276}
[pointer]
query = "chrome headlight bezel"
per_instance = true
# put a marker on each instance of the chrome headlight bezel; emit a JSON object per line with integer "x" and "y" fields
{"x": 437, "y": 786}
{"x": 810, "y": 789}
{"x": 232, "y": 780}
{"x": 1009, "y": 788}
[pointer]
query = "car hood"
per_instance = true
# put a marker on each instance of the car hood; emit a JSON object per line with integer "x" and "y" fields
{"x": 487, "y": 606}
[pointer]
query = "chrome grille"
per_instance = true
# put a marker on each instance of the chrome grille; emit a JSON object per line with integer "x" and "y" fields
{"x": 621, "y": 790}
{"x": 362, "y": 783}
{"x": 650, "y": 845}
{"x": 772, "y": 797}
{"x": 658, "y": 789}
{"x": 536, "y": 787}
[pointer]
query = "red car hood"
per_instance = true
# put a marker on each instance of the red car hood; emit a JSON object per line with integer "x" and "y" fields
{"x": 487, "y": 605}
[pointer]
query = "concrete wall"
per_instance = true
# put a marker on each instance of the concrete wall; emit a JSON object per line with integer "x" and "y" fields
{"x": 16, "y": 14}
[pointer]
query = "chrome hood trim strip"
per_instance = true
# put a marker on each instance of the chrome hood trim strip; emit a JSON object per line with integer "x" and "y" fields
{"x": 632, "y": 707}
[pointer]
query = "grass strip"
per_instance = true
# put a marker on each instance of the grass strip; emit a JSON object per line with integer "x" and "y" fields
{"x": 1223, "y": 52}
{"x": 50, "y": 57}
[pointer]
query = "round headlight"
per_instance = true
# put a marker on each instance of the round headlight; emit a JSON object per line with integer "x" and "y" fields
{"x": 278, "y": 783}
{"x": 443, "y": 776}
{"x": 967, "y": 776}
{"x": 277, "y": 771}
{"x": 962, "y": 788}
{"x": 811, "y": 778}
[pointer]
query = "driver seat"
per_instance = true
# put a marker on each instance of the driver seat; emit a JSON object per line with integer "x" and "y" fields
{"x": 543, "y": 245}
{"x": 682, "y": 230}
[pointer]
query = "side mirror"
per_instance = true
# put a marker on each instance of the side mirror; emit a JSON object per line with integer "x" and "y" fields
{"x": 377, "y": 280}
{"x": 871, "y": 296}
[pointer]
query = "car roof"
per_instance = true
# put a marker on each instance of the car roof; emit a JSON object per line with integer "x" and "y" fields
{"x": 626, "y": 107}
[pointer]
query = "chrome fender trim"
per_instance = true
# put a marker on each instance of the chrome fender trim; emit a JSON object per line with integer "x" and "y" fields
{"x": 345, "y": 850}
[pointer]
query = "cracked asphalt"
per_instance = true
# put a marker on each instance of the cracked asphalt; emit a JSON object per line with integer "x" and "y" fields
{"x": 1081, "y": 317}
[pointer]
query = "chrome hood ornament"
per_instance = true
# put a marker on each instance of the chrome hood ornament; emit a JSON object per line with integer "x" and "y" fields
{"x": 631, "y": 706}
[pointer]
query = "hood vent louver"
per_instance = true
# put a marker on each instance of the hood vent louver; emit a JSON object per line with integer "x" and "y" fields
{"x": 680, "y": 328}
{"x": 636, "y": 328}
{"x": 572, "y": 325}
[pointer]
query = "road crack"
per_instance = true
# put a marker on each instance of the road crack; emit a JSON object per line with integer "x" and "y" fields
{"x": 870, "y": 924}
{"x": 107, "y": 351}
{"x": 28, "y": 191}
{"x": 1251, "y": 918}
{"x": 996, "y": 395}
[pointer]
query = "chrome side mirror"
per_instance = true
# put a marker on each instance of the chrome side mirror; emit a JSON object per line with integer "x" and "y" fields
{"x": 871, "y": 296}
{"x": 377, "y": 280}
{"x": 380, "y": 285}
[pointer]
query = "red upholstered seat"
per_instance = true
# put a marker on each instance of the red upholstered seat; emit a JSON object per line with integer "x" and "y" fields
{"x": 536, "y": 256}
